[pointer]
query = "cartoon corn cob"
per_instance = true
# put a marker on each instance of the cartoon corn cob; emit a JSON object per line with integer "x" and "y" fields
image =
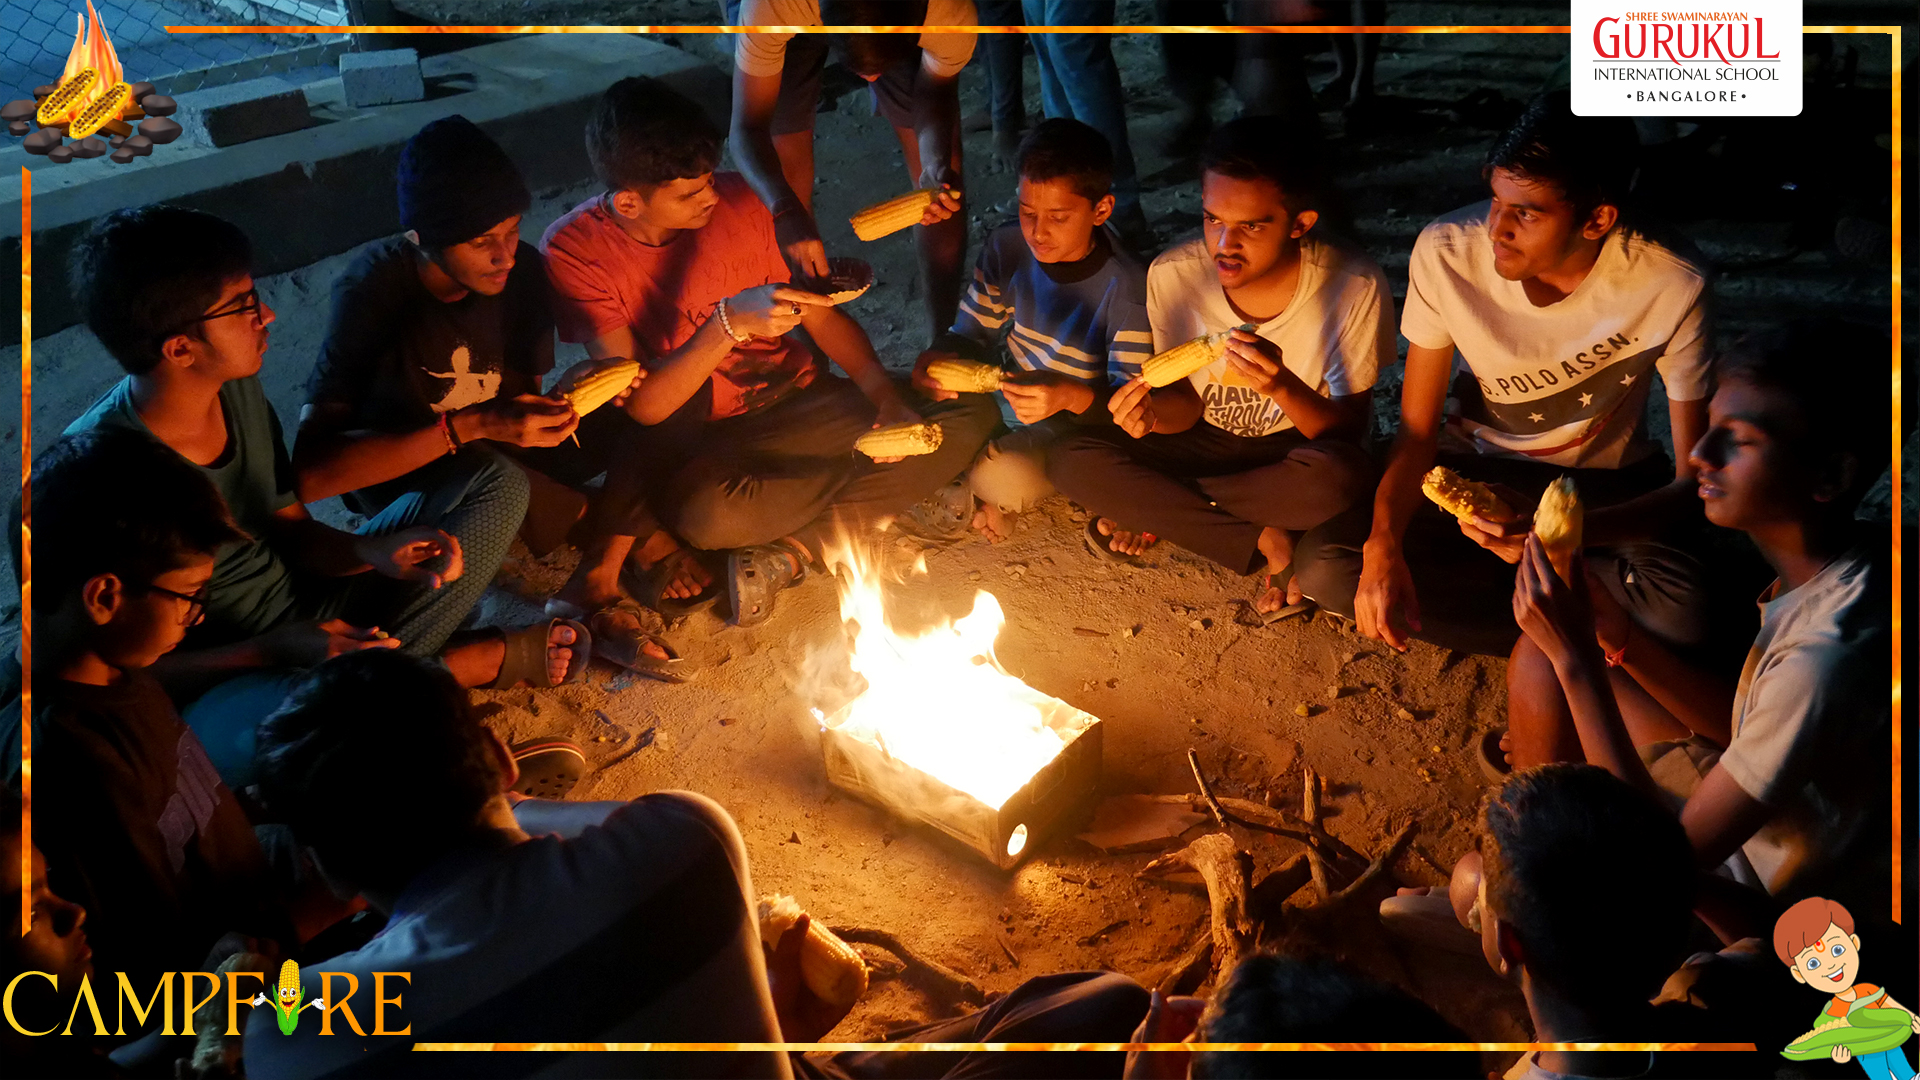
{"x": 288, "y": 1002}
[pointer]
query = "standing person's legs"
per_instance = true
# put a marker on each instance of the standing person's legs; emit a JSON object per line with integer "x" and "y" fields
{"x": 1269, "y": 77}
{"x": 1006, "y": 75}
{"x": 1088, "y": 85}
{"x": 480, "y": 498}
{"x": 1190, "y": 61}
{"x": 941, "y": 246}
{"x": 1074, "y": 1006}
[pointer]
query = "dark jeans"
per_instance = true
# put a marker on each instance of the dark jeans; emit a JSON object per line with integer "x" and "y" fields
{"x": 1078, "y": 79}
{"x": 1208, "y": 490}
{"x": 1265, "y": 70}
{"x": 1005, "y": 71}
{"x": 1074, "y": 1006}
{"x": 611, "y": 443}
{"x": 789, "y": 468}
{"x": 1466, "y": 592}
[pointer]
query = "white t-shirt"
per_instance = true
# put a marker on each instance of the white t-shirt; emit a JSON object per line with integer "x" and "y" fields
{"x": 1334, "y": 334}
{"x": 627, "y": 922}
{"x": 766, "y": 54}
{"x": 1811, "y": 722}
{"x": 1566, "y": 383}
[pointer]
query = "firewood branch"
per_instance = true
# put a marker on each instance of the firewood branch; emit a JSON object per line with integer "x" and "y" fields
{"x": 1227, "y": 872}
{"x": 932, "y": 976}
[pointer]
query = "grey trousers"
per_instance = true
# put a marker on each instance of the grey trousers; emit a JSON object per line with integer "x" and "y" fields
{"x": 789, "y": 469}
{"x": 1211, "y": 491}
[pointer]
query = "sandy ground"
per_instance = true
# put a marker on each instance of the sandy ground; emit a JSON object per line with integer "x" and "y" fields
{"x": 1391, "y": 734}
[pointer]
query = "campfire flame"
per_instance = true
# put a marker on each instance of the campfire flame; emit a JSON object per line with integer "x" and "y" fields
{"x": 939, "y": 700}
{"x": 91, "y": 50}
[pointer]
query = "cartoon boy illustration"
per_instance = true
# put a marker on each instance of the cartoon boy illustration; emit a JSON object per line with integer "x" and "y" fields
{"x": 1815, "y": 939}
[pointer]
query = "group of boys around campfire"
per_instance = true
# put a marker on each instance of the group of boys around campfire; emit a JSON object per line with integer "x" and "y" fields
{"x": 729, "y": 464}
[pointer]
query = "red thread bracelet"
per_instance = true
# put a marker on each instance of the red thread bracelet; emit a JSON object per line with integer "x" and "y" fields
{"x": 1618, "y": 656}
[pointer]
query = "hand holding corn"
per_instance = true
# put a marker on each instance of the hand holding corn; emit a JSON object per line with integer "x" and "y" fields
{"x": 608, "y": 383}
{"x": 925, "y": 206}
{"x": 1132, "y": 407}
{"x": 1036, "y": 395}
{"x": 522, "y": 420}
{"x": 943, "y": 375}
{"x": 828, "y": 966}
{"x": 1560, "y": 523}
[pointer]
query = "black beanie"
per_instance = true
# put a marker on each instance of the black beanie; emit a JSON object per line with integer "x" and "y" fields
{"x": 456, "y": 183}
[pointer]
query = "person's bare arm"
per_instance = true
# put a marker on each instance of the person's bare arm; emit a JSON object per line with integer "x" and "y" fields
{"x": 329, "y": 459}
{"x": 847, "y": 345}
{"x": 936, "y": 126}
{"x": 1719, "y": 817}
{"x": 1699, "y": 697}
{"x": 1647, "y": 514}
{"x": 315, "y": 546}
{"x": 1141, "y": 410}
{"x": 1385, "y": 606}
{"x": 187, "y": 674}
{"x": 755, "y": 97}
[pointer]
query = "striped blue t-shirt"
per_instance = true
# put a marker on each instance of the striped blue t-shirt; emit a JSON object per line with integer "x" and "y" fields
{"x": 1085, "y": 319}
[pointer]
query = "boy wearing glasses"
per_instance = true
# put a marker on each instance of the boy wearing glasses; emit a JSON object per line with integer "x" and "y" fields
{"x": 170, "y": 293}
{"x": 135, "y": 824}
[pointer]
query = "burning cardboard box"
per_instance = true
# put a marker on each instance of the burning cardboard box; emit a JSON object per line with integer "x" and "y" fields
{"x": 942, "y": 734}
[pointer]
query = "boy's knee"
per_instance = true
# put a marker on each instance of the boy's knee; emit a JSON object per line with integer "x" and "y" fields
{"x": 1327, "y": 569}
{"x": 1012, "y": 480}
{"x": 712, "y": 517}
{"x": 493, "y": 477}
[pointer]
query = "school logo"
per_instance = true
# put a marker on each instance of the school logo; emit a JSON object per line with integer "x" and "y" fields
{"x": 91, "y": 109}
{"x": 1686, "y": 58}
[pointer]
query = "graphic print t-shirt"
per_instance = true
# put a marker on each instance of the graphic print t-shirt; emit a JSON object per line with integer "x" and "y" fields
{"x": 1334, "y": 333}
{"x": 604, "y": 279}
{"x": 397, "y": 356}
{"x": 1566, "y": 383}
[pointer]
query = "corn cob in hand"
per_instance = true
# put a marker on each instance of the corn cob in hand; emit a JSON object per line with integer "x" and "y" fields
{"x": 900, "y": 440}
{"x": 1560, "y": 523}
{"x": 887, "y": 218}
{"x": 1167, "y": 368}
{"x": 602, "y": 386}
{"x": 831, "y": 969}
{"x": 964, "y": 376}
{"x": 1463, "y": 498}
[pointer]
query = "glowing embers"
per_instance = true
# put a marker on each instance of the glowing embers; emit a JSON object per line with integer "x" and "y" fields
{"x": 942, "y": 734}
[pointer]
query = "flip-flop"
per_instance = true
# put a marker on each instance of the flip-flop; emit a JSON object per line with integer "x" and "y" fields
{"x": 755, "y": 575}
{"x": 618, "y": 644}
{"x": 525, "y": 659}
{"x": 648, "y": 586}
{"x": 1493, "y": 762}
{"x": 1102, "y": 545}
{"x": 549, "y": 767}
{"x": 1280, "y": 581}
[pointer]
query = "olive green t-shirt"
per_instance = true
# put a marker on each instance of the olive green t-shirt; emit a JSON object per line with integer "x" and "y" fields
{"x": 252, "y": 589}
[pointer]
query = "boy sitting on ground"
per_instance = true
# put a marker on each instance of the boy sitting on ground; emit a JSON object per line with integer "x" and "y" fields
{"x": 55, "y": 943}
{"x": 1793, "y": 803}
{"x": 1072, "y": 305}
{"x": 431, "y": 371}
{"x": 136, "y": 825}
{"x": 170, "y": 293}
{"x": 1265, "y": 441}
{"x": 676, "y": 266}
{"x": 534, "y": 921}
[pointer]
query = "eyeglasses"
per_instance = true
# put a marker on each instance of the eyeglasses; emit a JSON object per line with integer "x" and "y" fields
{"x": 196, "y": 602}
{"x": 247, "y": 303}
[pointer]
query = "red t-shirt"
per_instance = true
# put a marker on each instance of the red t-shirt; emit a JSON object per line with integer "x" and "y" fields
{"x": 604, "y": 279}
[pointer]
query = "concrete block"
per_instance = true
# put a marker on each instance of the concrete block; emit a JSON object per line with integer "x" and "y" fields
{"x": 243, "y": 111}
{"x": 381, "y": 78}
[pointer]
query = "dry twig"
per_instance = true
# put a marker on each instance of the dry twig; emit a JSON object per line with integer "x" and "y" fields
{"x": 935, "y": 978}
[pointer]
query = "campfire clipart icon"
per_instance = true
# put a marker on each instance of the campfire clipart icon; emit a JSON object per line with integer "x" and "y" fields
{"x": 90, "y": 111}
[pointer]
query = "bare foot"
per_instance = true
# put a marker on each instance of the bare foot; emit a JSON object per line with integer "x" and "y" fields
{"x": 1277, "y": 546}
{"x": 1124, "y": 542}
{"x": 1506, "y": 746}
{"x": 993, "y": 523}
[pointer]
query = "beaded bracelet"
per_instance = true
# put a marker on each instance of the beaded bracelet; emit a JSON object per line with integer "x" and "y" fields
{"x": 727, "y": 324}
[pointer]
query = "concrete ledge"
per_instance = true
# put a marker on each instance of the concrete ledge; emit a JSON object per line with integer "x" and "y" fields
{"x": 309, "y": 194}
{"x": 244, "y": 111}
{"x": 382, "y": 78}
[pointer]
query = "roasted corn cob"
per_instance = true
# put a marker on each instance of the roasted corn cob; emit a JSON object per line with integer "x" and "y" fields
{"x": 964, "y": 376}
{"x": 1167, "y": 368}
{"x": 601, "y": 387}
{"x": 66, "y": 96}
{"x": 104, "y": 110}
{"x": 900, "y": 440}
{"x": 887, "y": 218}
{"x": 1463, "y": 498}
{"x": 1560, "y": 523}
{"x": 829, "y": 966}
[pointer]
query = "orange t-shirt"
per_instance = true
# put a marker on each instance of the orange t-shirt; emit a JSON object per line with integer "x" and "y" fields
{"x": 604, "y": 279}
{"x": 1838, "y": 1007}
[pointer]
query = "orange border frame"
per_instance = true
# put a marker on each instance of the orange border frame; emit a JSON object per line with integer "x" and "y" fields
{"x": 25, "y": 466}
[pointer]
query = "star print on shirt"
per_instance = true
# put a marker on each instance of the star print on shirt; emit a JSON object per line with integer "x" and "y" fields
{"x": 1586, "y": 400}
{"x": 1627, "y": 381}
{"x": 1535, "y": 417}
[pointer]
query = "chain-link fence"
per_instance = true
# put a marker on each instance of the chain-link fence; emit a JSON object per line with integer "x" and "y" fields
{"x": 36, "y": 36}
